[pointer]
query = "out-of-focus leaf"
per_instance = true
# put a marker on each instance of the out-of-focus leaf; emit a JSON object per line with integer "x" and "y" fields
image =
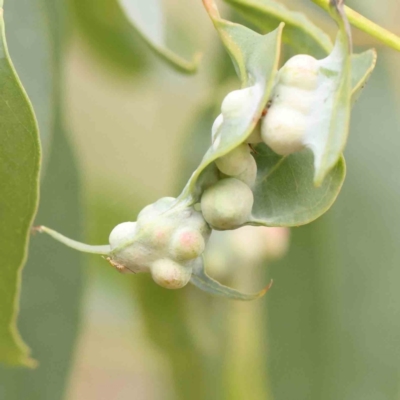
{"x": 300, "y": 33}
{"x": 284, "y": 193}
{"x": 29, "y": 43}
{"x": 206, "y": 283}
{"x": 146, "y": 18}
{"x": 109, "y": 34}
{"x": 19, "y": 174}
{"x": 333, "y": 323}
{"x": 255, "y": 58}
{"x": 52, "y": 280}
{"x": 51, "y": 285}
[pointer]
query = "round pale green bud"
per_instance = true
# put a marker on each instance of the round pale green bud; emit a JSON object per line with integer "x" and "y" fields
{"x": 284, "y": 129}
{"x": 216, "y": 125}
{"x": 237, "y": 103}
{"x": 236, "y": 161}
{"x": 300, "y": 71}
{"x": 136, "y": 257}
{"x": 155, "y": 209}
{"x": 249, "y": 175}
{"x": 292, "y": 97}
{"x": 227, "y": 204}
{"x": 169, "y": 274}
{"x": 121, "y": 234}
{"x": 187, "y": 244}
{"x": 255, "y": 136}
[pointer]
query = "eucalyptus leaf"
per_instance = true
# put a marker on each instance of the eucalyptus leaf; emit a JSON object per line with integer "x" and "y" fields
{"x": 19, "y": 174}
{"x": 327, "y": 135}
{"x": 303, "y": 35}
{"x": 206, "y": 283}
{"x": 146, "y": 17}
{"x": 284, "y": 193}
{"x": 362, "y": 66}
{"x": 109, "y": 36}
{"x": 255, "y": 58}
{"x": 300, "y": 33}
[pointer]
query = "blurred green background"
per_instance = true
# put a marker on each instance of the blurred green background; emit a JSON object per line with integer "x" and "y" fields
{"x": 121, "y": 129}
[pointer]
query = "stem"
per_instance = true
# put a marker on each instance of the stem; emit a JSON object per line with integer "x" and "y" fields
{"x": 86, "y": 248}
{"x": 364, "y": 24}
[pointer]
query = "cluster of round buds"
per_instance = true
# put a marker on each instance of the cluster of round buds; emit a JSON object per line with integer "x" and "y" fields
{"x": 228, "y": 203}
{"x": 166, "y": 241}
{"x": 284, "y": 127}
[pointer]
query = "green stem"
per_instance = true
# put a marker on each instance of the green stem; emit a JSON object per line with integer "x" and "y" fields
{"x": 364, "y": 24}
{"x": 86, "y": 248}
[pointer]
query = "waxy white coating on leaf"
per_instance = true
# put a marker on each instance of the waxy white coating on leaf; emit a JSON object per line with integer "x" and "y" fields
{"x": 227, "y": 204}
{"x": 169, "y": 274}
{"x": 300, "y": 71}
{"x": 236, "y": 161}
{"x": 121, "y": 234}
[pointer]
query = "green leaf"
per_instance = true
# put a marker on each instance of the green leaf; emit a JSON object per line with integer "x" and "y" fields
{"x": 29, "y": 41}
{"x": 19, "y": 174}
{"x": 146, "y": 18}
{"x": 327, "y": 135}
{"x": 300, "y": 33}
{"x": 284, "y": 193}
{"x": 255, "y": 58}
{"x": 207, "y": 284}
{"x": 362, "y": 66}
{"x": 52, "y": 284}
{"x": 109, "y": 35}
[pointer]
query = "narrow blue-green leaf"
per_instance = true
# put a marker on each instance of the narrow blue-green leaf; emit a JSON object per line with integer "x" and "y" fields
{"x": 146, "y": 18}
{"x": 19, "y": 174}
{"x": 255, "y": 58}
{"x": 206, "y": 283}
{"x": 300, "y": 33}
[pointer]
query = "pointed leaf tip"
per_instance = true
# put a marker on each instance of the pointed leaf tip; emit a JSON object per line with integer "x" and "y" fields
{"x": 204, "y": 282}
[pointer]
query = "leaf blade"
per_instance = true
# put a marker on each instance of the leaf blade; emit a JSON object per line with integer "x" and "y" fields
{"x": 300, "y": 32}
{"x": 204, "y": 282}
{"x": 285, "y": 195}
{"x": 153, "y": 34}
{"x": 19, "y": 171}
